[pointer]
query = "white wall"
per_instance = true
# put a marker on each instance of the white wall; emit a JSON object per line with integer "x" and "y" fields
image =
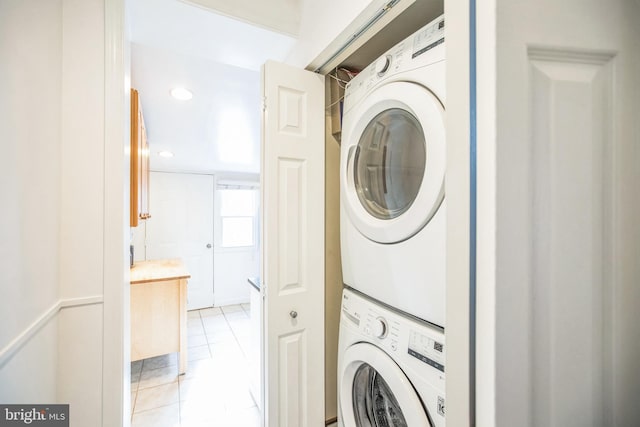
{"x": 52, "y": 115}
{"x": 31, "y": 51}
{"x": 320, "y": 24}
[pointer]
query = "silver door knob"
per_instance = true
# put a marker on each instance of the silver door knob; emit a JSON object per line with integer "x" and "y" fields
{"x": 293, "y": 314}
{"x": 208, "y": 245}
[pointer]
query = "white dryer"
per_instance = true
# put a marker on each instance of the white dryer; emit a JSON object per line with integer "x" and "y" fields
{"x": 393, "y": 161}
{"x": 390, "y": 368}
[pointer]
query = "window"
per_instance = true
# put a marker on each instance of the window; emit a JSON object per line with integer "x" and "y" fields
{"x": 238, "y": 216}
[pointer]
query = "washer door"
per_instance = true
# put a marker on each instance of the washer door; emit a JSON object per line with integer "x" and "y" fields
{"x": 394, "y": 167}
{"x": 374, "y": 392}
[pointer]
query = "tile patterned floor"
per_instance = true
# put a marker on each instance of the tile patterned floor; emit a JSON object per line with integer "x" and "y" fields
{"x": 215, "y": 390}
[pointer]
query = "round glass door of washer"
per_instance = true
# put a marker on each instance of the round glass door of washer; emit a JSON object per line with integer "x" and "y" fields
{"x": 395, "y": 162}
{"x": 374, "y": 392}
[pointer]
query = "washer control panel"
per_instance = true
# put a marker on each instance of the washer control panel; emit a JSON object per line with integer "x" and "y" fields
{"x": 394, "y": 331}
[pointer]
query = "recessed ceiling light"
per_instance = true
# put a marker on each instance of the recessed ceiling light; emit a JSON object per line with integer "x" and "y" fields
{"x": 181, "y": 93}
{"x": 165, "y": 154}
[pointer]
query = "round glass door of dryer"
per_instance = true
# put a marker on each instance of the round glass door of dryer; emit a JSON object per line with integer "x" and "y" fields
{"x": 393, "y": 162}
{"x": 389, "y": 163}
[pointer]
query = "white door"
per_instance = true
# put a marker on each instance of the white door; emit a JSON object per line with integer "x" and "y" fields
{"x": 181, "y": 226}
{"x": 292, "y": 270}
{"x": 558, "y": 84}
{"x": 393, "y": 161}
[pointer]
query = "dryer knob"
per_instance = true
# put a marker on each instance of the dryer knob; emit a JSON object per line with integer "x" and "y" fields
{"x": 382, "y": 65}
{"x": 380, "y": 328}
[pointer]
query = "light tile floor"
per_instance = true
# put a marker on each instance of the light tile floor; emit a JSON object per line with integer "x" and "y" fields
{"x": 215, "y": 390}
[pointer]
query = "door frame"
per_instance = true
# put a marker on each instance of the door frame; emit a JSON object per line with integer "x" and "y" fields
{"x": 116, "y": 349}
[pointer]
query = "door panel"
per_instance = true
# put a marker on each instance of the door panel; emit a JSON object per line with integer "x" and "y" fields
{"x": 566, "y": 173}
{"x": 182, "y": 227}
{"x": 292, "y": 192}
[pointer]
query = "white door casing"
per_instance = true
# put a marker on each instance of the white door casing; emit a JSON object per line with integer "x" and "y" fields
{"x": 181, "y": 226}
{"x": 558, "y": 206}
{"x": 292, "y": 270}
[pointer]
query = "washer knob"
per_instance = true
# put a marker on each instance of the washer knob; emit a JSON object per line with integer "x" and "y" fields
{"x": 380, "y": 328}
{"x": 382, "y": 65}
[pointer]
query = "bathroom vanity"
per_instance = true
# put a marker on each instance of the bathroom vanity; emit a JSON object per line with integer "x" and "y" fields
{"x": 159, "y": 310}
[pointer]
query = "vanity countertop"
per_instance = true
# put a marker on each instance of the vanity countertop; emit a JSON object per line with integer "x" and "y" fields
{"x": 156, "y": 270}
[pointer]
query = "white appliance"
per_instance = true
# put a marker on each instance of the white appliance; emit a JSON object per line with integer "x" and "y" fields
{"x": 393, "y": 159}
{"x": 390, "y": 367}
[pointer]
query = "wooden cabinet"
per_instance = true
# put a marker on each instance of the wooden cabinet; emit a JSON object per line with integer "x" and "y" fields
{"x": 159, "y": 310}
{"x": 139, "y": 163}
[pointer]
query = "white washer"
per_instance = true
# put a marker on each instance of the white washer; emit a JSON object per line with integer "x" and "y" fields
{"x": 390, "y": 367}
{"x": 393, "y": 161}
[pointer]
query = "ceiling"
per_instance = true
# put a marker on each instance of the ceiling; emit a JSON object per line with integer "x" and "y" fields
{"x": 215, "y": 48}
{"x": 218, "y": 58}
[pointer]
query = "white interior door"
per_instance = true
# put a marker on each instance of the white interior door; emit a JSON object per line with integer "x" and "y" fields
{"x": 181, "y": 226}
{"x": 292, "y": 270}
{"x": 558, "y": 88}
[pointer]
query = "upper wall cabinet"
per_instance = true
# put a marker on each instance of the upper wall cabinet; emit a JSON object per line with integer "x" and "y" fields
{"x": 139, "y": 163}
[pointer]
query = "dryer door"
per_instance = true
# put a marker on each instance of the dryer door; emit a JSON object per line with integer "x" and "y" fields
{"x": 393, "y": 161}
{"x": 374, "y": 392}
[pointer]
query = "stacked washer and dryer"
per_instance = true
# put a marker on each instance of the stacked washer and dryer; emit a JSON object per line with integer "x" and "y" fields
{"x": 393, "y": 158}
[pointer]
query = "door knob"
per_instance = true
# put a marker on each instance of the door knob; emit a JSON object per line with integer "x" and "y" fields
{"x": 208, "y": 245}
{"x": 293, "y": 314}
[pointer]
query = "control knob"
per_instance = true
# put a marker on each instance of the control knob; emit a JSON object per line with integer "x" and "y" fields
{"x": 380, "y": 328}
{"x": 382, "y": 65}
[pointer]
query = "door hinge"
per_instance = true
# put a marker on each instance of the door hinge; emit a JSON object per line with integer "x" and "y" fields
{"x": 264, "y": 103}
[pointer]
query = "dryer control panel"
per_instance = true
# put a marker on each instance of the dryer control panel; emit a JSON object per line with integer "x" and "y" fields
{"x": 400, "y": 335}
{"x": 414, "y": 52}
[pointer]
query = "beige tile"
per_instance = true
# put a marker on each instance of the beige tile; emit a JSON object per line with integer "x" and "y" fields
{"x": 194, "y": 412}
{"x": 194, "y": 322}
{"x": 193, "y": 314}
{"x": 199, "y": 353}
{"x": 135, "y": 379}
{"x": 199, "y": 388}
{"x": 231, "y": 308}
{"x": 136, "y": 367}
{"x": 215, "y": 322}
{"x": 160, "y": 362}
{"x": 156, "y": 397}
{"x": 246, "y": 307}
{"x": 155, "y": 377}
{"x": 167, "y": 416}
{"x": 218, "y": 336}
{"x": 196, "y": 341}
{"x": 241, "y": 314}
{"x": 238, "y": 399}
{"x": 204, "y": 368}
{"x": 195, "y": 329}
{"x": 213, "y": 311}
{"x": 247, "y": 417}
{"x": 133, "y": 400}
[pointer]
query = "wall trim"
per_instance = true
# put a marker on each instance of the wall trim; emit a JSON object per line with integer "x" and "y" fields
{"x": 15, "y": 345}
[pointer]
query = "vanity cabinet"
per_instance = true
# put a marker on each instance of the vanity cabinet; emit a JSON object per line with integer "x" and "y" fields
{"x": 159, "y": 310}
{"x": 139, "y": 163}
